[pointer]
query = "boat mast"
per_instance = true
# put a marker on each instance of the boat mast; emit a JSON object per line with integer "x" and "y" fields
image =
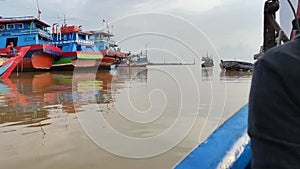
{"x": 38, "y": 8}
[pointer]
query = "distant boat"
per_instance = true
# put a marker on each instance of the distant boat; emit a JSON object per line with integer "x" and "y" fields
{"x": 236, "y": 66}
{"x": 32, "y": 32}
{"x": 10, "y": 62}
{"x": 135, "y": 60}
{"x": 77, "y": 49}
{"x": 207, "y": 62}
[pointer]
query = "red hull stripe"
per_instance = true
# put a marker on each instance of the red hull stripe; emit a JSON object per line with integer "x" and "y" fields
{"x": 46, "y": 48}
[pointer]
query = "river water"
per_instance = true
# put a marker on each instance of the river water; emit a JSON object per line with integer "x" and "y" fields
{"x": 125, "y": 118}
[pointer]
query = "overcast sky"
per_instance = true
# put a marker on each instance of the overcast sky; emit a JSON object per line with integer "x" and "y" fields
{"x": 180, "y": 28}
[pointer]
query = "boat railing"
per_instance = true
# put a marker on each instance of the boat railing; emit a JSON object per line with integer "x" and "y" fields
{"x": 105, "y": 41}
{"x": 28, "y": 32}
{"x": 44, "y": 33}
{"x": 79, "y": 42}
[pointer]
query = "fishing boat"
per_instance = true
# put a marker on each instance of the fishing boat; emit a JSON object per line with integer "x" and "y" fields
{"x": 29, "y": 31}
{"x": 77, "y": 48}
{"x": 207, "y": 62}
{"x": 135, "y": 60}
{"x": 236, "y": 65}
{"x": 112, "y": 54}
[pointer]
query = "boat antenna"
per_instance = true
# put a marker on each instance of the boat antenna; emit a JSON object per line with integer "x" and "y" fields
{"x": 38, "y": 8}
{"x": 295, "y": 15}
{"x": 65, "y": 20}
{"x": 146, "y": 50}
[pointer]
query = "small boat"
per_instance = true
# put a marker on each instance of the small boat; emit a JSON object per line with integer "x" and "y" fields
{"x": 236, "y": 66}
{"x": 10, "y": 62}
{"x": 29, "y": 31}
{"x": 77, "y": 49}
{"x": 207, "y": 62}
{"x": 227, "y": 147}
{"x": 135, "y": 61}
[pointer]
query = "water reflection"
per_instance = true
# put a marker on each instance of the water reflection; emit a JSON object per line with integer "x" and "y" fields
{"x": 235, "y": 75}
{"x": 39, "y": 109}
{"x": 207, "y": 74}
{"x": 34, "y": 97}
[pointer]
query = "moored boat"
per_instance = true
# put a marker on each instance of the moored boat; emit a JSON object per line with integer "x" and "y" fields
{"x": 236, "y": 66}
{"x": 207, "y": 62}
{"x": 28, "y": 31}
{"x": 112, "y": 54}
{"x": 77, "y": 49}
{"x": 134, "y": 60}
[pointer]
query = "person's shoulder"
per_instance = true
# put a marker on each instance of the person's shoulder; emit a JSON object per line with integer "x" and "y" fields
{"x": 282, "y": 57}
{"x": 290, "y": 48}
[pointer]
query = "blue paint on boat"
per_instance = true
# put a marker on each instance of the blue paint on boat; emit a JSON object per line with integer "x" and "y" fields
{"x": 227, "y": 147}
{"x": 73, "y": 39}
{"x": 112, "y": 67}
{"x": 23, "y": 31}
{"x": 4, "y": 68}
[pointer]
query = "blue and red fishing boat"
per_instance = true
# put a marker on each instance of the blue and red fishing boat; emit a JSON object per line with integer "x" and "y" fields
{"x": 29, "y": 31}
{"x": 112, "y": 54}
{"x": 77, "y": 49}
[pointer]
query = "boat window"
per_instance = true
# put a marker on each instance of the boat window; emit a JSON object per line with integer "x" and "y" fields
{"x": 38, "y": 26}
{"x": 65, "y": 37}
{"x": 2, "y": 27}
{"x": 10, "y": 26}
{"x": 19, "y": 26}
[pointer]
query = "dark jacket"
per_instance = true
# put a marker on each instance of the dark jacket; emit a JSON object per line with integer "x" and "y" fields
{"x": 274, "y": 108}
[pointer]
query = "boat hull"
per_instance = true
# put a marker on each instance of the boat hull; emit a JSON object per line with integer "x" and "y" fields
{"x": 236, "y": 66}
{"x": 107, "y": 61}
{"x": 112, "y": 53}
{"x": 227, "y": 147}
{"x": 80, "y": 59}
{"x": 111, "y": 57}
{"x": 42, "y": 60}
{"x": 39, "y": 56}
